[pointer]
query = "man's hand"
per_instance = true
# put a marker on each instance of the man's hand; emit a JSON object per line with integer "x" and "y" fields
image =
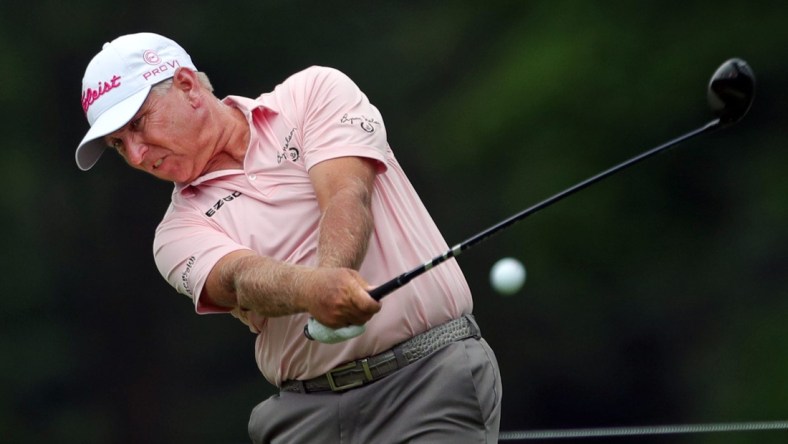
{"x": 339, "y": 298}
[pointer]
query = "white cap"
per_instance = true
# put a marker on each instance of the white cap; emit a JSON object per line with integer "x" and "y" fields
{"x": 117, "y": 82}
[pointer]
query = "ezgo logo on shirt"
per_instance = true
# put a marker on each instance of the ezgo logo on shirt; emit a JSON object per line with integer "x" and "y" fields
{"x": 220, "y": 203}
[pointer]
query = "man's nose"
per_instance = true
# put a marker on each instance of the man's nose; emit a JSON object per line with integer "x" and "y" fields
{"x": 136, "y": 150}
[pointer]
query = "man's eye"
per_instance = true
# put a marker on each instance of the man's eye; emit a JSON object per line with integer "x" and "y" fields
{"x": 118, "y": 145}
{"x": 135, "y": 124}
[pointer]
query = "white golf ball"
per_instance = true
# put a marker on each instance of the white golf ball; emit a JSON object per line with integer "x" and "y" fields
{"x": 507, "y": 276}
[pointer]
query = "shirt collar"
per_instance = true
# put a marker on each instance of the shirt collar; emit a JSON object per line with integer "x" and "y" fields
{"x": 250, "y": 106}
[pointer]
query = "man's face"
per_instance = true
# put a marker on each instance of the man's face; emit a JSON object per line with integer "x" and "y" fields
{"x": 163, "y": 138}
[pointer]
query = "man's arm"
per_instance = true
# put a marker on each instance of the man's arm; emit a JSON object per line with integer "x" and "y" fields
{"x": 344, "y": 193}
{"x": 333, "y": 293}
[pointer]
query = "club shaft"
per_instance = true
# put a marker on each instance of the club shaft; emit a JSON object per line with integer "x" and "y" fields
{"x": 401, "y": 280}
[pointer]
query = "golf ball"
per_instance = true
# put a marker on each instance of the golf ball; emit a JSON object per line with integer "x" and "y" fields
{"x": 507, "y": 276}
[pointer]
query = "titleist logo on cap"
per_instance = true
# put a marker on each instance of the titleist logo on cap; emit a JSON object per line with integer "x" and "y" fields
{"x": 90, "y": 95}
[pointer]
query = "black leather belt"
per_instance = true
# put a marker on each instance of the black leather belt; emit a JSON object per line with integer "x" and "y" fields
{"x": 364, "y": 371}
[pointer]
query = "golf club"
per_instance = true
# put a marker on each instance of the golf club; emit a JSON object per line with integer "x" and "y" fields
{"x": 730, "y": 94}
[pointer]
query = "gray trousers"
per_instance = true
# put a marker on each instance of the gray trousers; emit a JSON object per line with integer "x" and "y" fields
{"x": 453, "y": 395}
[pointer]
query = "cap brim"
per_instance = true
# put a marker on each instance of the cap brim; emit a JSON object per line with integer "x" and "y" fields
{"x": 92, "y": 146}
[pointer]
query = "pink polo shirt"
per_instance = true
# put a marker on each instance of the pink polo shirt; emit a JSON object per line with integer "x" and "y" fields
{"x": 270, "y": 207}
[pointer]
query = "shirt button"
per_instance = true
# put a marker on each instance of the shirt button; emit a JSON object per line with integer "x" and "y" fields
{"x": 252, "y": 177}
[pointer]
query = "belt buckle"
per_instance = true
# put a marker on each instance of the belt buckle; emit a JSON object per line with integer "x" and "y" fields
{"x": 352, "y": 365}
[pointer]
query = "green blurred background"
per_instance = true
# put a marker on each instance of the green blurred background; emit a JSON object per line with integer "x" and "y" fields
{"x": 658, "y": 296}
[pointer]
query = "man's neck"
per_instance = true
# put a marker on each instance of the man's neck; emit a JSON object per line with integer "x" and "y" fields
{"x": 232, "y": 141}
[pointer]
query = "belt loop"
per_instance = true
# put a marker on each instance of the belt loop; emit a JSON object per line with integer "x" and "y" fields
{"x": 400, "y": 357}
{"x": 475, "y": 331}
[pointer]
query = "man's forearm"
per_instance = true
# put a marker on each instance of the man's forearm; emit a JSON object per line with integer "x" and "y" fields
{"x": 345, "y": 229}
{"x": 266, "y": 286}
{"x": 270, "y": 288}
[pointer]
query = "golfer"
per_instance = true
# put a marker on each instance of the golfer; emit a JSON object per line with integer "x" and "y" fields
{"x": 288, "y": 206}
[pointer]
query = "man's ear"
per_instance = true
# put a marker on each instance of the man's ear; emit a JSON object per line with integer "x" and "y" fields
{"x": 186, "y": 80}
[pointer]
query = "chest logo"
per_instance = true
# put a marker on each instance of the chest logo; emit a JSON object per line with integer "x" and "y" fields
{"x": 220, "y": 203}
{"x": 289, "y": 151}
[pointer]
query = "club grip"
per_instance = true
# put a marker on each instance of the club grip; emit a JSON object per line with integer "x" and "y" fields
{"x": 315, "y": 331}
{"x": 385, "y": 289}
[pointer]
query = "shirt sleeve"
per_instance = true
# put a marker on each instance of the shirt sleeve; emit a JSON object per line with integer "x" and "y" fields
{"x": 338, "y": 119}
{"x": 185, "y": 250}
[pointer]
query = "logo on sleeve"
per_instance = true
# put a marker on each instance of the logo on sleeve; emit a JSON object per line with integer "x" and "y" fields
{"x": 187, "y": 289}
{"x": 368, "y": 124}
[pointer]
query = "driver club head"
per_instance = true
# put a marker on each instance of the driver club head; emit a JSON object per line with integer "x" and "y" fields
{"x": 731, "y": 91}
